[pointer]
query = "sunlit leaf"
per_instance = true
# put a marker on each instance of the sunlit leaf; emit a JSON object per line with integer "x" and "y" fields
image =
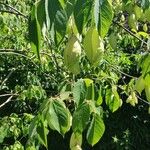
{"x": 147, "y": 91}
{"x": 72, "y": 54}
{"x": 140, "y": 85}
{"x": 112, "y": 99}
{"x": 100, "y": 98}
{"x": 95, "y": 130}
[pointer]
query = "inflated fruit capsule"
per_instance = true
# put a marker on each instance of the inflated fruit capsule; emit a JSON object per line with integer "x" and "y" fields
{"x": 145, "y": 27}
{"x": 122, "y": 18}
{"x": 93, "y": 46}
{"x": 72, "y": 54}
{"x": 132, "y": 22}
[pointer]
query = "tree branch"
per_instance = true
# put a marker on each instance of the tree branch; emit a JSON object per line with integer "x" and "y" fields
{"x": 115, "y": 68}
{"x": 7, "y": 101}
{"x": 4, "y": 95}
{"x": 130, "y": 32}
{"x": 7, "y": 77}
{"x": 143, "y": 100}
{"x": 13, "y": 10}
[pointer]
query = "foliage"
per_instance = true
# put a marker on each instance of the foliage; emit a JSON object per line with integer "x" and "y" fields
{"x": 74, "y": 74}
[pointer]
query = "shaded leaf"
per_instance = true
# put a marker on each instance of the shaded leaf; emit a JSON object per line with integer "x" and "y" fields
{"x": 79, "y": 92}
{"x": 32, "y": 128}
{"x": 34, "y": 32}
{"x": 144, "y": 63}
{"x": 56, "y": 19}
{"x": 81, "y": 117}
{"x": 58, "y": 116}
{"x": 81, "y": 13}
{"x": 103, "y": 15}
{"x": 42, "y": 133}
{"x": 90, "y": 95}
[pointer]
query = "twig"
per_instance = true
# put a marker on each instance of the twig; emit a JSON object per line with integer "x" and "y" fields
{"x": 4, "y": 95}
{"x": 15, "y": 11}
{"x": 143, "y": 100}
{"x": 9, "y": 51}
{"x": 131, "y": 33}
{"x": 15, "y": 53}
{"x": 10, "y": 12}
{"x": 53, "y": 55}
{"x": 120, "y": 70}
{"x": 8, "y": 100}
{"x": 7, "y": 77}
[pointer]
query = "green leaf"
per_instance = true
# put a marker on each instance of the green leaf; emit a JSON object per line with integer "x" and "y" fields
{"x": 60, "y": 24}
{"x": 42, "y": 132}
{"x": 32, "y": 128}
{"x": 103, "y": 15}
{"x": 81, "y": 117}
{"x": 69, "y": 7}
{"x": 147, "y": 91}
{"x": 93, "y": 46}
{"x": 90, "y": 95}
{"x": 82, "y": 11}
{"x": 88, "y": 82}
{"x": 113, "y": 40}
{"x": 79, "y": 92}
{"x": 147, "y": 79}
{"x": 145, "y": 4}
{"x": 41, "y": 14}
{"x": 76, "y": 140}
{"x": 100, "y": 98}
{"x": 140, "y": 85}
{"x": 63, "y": 3}
{"x": 34, "y": 32}
{"x": 145, "y": 64}
{"x": 56, "y": 19}
{"x": 112, "y": 99}
{"x": 30, "y": 148}
{"x": 58, "y": 116}
{"x": 95, "y": 130}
